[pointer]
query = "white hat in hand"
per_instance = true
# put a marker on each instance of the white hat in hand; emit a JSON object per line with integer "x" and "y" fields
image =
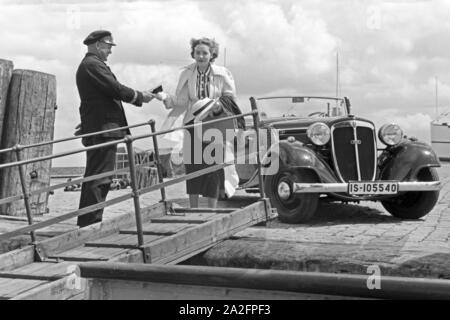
{"x": 199, "y": 110}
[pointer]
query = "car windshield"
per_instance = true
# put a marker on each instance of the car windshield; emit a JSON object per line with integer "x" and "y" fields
{"x": 301, "y": 106}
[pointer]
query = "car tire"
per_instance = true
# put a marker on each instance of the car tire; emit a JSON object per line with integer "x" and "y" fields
{"x": 414, "y": 204}
{"x": 297, "y": 208}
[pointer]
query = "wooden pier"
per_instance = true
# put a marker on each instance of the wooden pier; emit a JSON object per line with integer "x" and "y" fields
{"x": 168, "y": 239}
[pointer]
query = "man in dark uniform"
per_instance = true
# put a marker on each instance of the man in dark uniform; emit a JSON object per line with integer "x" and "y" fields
{"x": 101, "y": 109}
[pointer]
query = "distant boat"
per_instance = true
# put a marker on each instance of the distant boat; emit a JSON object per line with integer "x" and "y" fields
{"x": 440, "y": 135}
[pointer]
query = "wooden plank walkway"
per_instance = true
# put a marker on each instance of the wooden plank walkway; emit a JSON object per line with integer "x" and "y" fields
{"x": 168, "y": 239}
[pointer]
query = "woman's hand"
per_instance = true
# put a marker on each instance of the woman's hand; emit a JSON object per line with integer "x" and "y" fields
{"x": 161, "y": 96}
{"x": 217, "y": 109}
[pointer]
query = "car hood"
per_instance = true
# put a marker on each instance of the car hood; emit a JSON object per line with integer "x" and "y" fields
{"x": 282, "y": 122}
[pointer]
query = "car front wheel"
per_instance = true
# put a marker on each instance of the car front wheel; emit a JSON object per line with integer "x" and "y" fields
{"x": 291, "y": 207}
{"x": 414, "y": 204}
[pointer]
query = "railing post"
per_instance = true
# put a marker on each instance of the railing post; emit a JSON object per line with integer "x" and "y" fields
{"x": 258, "y": 158}
{"x": 158, "y": 160}
{"x": 255, "y": 116}
{"x": 137, "y": 208}
{"x": 17, "y": 148}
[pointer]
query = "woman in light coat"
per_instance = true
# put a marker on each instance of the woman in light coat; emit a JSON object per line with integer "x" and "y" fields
{"x": 198, "y": 81}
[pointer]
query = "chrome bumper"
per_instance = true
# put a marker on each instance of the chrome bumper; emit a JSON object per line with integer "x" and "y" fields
{"x": 343, "y": 187}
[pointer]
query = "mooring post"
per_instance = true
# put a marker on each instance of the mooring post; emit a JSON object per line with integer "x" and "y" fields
{"x": 17, "y": 149}
{"x": 135, "y": 191}
{"x": 158, "y": 160}
{"x": 29, "y": 118}
{"x": 255, "y": 116}
{"x": 6, "y": 70}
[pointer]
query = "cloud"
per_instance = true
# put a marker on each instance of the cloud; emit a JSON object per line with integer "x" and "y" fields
{"x": 389, "y": 51}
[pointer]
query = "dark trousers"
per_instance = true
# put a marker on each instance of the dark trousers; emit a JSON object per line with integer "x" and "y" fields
{"x": 93, "y": 192}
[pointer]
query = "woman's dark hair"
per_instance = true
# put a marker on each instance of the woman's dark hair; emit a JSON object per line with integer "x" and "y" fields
{"x": 211, "y": 43}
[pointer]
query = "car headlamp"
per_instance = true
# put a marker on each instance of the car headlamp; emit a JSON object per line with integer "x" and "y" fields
{"x": 318, "y": 133}
{"x": 390, "y": 134}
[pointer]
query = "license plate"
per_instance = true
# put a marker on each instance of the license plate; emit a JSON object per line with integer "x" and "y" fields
{"x": 359, "y": 188}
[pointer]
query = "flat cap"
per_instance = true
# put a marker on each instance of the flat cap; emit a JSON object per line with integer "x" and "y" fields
{"x": 97, "y": 36}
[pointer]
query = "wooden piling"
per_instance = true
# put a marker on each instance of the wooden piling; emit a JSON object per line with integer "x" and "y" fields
{"x": 29, "y": 118}
{"x": 6, "y": 69}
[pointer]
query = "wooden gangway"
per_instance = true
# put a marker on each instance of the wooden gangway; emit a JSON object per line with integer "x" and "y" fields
{"x": 158, "y": 234}
{"x": 168, "y": 239}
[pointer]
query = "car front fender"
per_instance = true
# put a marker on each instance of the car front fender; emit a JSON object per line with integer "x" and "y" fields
{"x": 298, "y": 156}
{"x": 404, "y": 161}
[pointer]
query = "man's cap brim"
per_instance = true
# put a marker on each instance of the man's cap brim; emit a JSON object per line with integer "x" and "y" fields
{"x": 99, "y": 35}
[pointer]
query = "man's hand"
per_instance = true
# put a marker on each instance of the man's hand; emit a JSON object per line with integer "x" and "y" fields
{"x": 147, "y": 96}
{"x": 77, "y": 130}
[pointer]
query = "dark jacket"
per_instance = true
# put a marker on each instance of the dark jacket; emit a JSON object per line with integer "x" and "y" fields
{"x": 101, "y": 95}
{"x": 230, "y": 105}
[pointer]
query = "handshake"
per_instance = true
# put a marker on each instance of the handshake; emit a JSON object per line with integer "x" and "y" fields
{"x": 157, "y": 93}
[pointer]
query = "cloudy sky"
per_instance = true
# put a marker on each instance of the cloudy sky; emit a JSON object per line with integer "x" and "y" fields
{"x": 390, "y": 52}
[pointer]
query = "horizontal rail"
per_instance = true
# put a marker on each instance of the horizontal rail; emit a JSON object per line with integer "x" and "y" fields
{"x": 127, "y": 196}
{"x": 350, "y": 285}
{"x": 61, "y": 154}
{"x": 128, "y": 140}
{"x": 70, "y": 183}
{"x": 307, "y": 97}
{"x": 64, "y": 217}
{"x": 193, "y": 174}
{"x": 115, "y": 142}
{"x": 183, "y": 178}
{"x": 143, "y": 136}
{"x": 76, "y": 137}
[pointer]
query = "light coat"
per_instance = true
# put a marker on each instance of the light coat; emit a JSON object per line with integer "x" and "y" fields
{"x": 185, "y": 95}
{"x": 221, "y": 83}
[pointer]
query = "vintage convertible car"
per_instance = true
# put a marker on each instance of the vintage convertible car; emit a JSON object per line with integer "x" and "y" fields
{"x": 324, "y": 151}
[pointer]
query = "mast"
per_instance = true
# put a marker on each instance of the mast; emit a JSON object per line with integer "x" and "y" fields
{"x": 337, "y": 73}
{"x": 224, "y": 57}
{"x": 436, "y": 96}
{"x": 337, "y": 76}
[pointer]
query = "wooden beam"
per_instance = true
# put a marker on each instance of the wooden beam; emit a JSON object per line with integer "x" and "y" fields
{"x": 124, "y": 241}
{"x": 6, "y": 275}
{"x": 19, "y": 286}
{"x": 149, "y": 233}
{"x": 154, "y": 228}
{"x": 197, "y": 210}
{"x": 89, "y": 254}
{"x": 53, "y": 246}
{"x": 130, "y": 256}
{"x": 61, "y": 289}
{"x": 46, "y": 269}
{"x": 179, "y": 219}
{"x": 16, "y": 258}
{"x": 135, "y": 290}
{"x": 204, "y": 235}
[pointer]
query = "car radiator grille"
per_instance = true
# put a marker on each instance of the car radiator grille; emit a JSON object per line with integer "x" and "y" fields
{"x": 354, "y": 150}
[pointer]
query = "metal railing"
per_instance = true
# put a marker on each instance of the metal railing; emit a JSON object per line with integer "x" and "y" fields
{"x": 136, "y": 192}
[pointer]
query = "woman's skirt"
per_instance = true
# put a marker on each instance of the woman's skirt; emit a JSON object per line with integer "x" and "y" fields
{"x": 207, "y": 185}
